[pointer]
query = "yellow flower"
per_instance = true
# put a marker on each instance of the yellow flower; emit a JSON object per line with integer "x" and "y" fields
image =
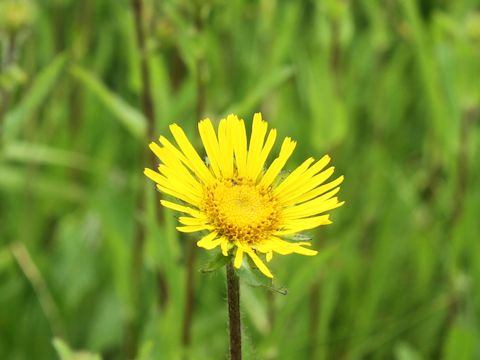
{"x": 242, "y": 205}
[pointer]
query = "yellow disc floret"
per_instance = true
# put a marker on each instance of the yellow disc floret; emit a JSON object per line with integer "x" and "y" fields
{"x": 241, "y": 210}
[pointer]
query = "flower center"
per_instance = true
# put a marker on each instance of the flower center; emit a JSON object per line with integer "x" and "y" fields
{"x": 241, "y": 210}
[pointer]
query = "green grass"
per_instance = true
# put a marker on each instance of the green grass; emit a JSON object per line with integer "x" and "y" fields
{"x": 388, "y": 89}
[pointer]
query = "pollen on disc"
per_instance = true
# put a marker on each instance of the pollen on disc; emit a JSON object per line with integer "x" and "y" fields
{"x": 241, "y": 210}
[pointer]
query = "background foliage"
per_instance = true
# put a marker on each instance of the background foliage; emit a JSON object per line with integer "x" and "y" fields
{"x": 389, "y": 89}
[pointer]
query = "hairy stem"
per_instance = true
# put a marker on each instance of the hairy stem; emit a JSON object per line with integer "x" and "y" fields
{"x": 233, "y": 295}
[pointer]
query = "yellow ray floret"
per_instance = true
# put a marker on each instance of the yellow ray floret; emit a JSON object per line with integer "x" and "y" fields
{"x": 235, "y": 199}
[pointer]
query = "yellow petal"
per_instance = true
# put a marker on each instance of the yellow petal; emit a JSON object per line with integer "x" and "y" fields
{"x": 299, "y": 184}
{"x": 194, "y": 228}
{"x": 225, "y": 246}
{"x": 238, "y": 257}
{"x": 191, "y": 220}
{"x": 210, "y": 142}
{"x": 156, "y": 149}
{"x": 303, "y": 185}
{"x": 182, "y": 177}
{"x": 175, "y": 183}
{"x": 207, "y": 240}
{"x": 194, "y": 159}
{"x": 287, "y": 149}
{"x": 213, "y": 244}
{"x": 302, "y": 251}
{"x": 291, "y": 179}
{"x": 298, "y": 225}
{"x": 261, "y": 266}
{"x": 175, "y": 162}
{"x": 258, "y": 162}
{"x": 279, "y": 246}
{"x": 225, "y": 144}
{"x": 240, "y": 147}
{"x": 152, "y": 175}
{"x": 175, "y": 188}
{"x": 311, "y": 208}
{"x": 181, "y": 208}
{"x": 318, "y": 166}
{"x": 316, "y": 192}
{"x": 171, "y": 150}
{"x": 259, "y": 129}
{"x": 182, "y": 196}
{"x": 269, "y": 256}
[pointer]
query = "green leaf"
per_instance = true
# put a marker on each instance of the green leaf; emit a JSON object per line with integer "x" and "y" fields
{"x": 269, "y": 83}
{"x": 215, "y": 263}
{"x": 66, "y": 353}
{"x": 250, "y": 275}
{"x": 15, "y": 180}
{"x": 461, "y": 342}
{"x": 43, "y": 154}
{"x": 35, "y": 97}
{"x": 132, "y": 119}
{"x": 145, "y": 351}
{"x": 405, "y": 351}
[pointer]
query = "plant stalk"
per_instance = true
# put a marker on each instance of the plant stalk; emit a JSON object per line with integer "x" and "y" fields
{"x": 146, "y": 158}
{"x": 192, "y": 247}
{"x": 233, "y": 295}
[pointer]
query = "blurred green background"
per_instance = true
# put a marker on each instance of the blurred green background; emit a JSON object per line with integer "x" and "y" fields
{"x": 89, "y": 261}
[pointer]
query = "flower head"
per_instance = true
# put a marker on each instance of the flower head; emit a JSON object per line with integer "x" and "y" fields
{"x": 242, "y": 205}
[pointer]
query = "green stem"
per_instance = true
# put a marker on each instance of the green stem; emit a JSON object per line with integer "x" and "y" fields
{"x": 233, "y": 295}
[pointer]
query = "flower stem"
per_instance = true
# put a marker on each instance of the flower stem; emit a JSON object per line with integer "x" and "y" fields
{"x": 233, "y": 294}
